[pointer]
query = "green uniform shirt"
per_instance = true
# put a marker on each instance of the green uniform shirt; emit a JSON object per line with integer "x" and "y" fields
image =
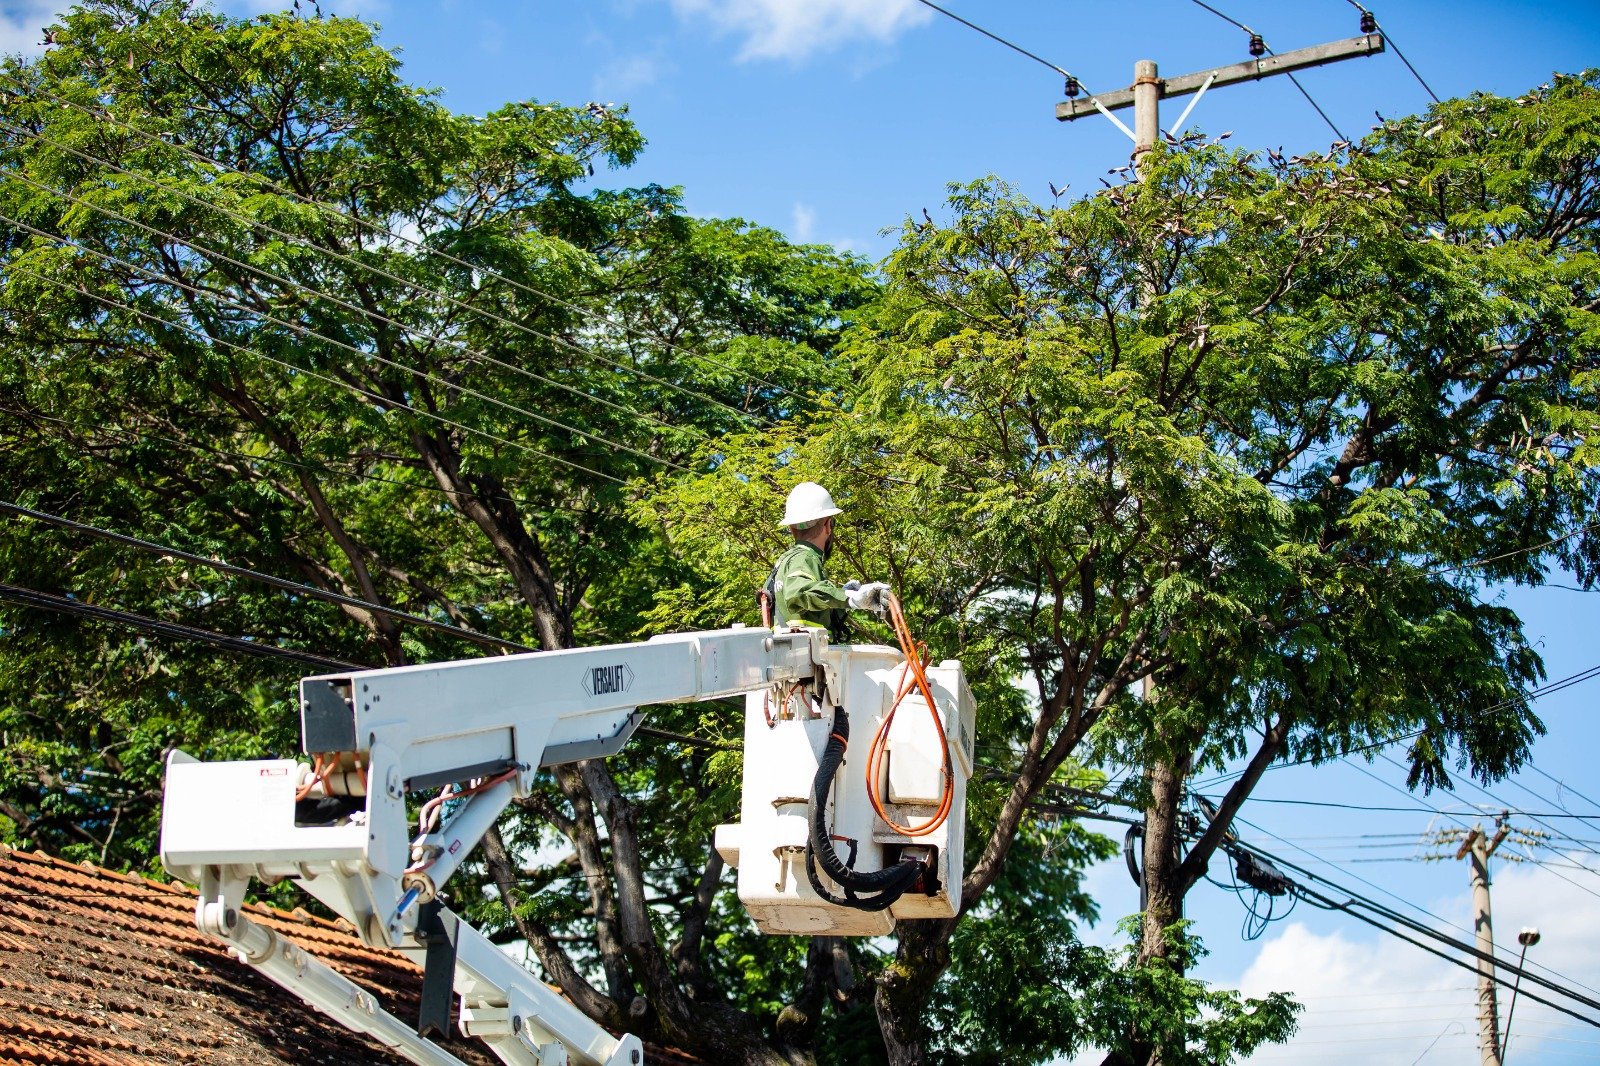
{"x": 802, "y": 593}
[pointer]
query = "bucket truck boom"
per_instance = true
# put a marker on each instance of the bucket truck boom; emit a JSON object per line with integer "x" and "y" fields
{"x": 481, "y": 730}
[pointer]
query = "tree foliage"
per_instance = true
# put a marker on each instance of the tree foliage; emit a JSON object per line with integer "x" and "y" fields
{"x": 1222, "y": 460}
{"x": 266, "y": 301}
{"x": 1257, "y": 432}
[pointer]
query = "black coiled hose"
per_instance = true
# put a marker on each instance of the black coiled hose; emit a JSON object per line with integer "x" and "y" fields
{"x": 885, "y": 886}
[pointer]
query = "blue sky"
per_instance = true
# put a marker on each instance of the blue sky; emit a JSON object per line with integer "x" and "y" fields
{"x": 833, "y": 120}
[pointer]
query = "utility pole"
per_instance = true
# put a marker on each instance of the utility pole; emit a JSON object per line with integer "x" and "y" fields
{"x": 1148, "y": 89}
{"x": 1478, "y": 846}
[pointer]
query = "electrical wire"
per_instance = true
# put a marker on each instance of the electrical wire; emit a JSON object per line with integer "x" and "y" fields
{"x": 1506, "y": 809}
{"x": 1303, "y": 92}
{"x": 1255, "y": 922}
{"x": 1386, "y": 892}
{"x": 295, "y": 587}
{"x": 1463, "y": 822}
{"x": 1389, "y": 39}
{"x": 250, "y": 458}
{"x": 296, "y": 286}
{"x": 1518, "y": 551}
{"x": 1368, "y": 807}
{"x": 376, "y": 398}
{"x": 308, "y": 332}
{"x": 329, "y": 210}
{"x": 913, "y": 676}
{"x": 1225, "y": 18}
{"x": 1001, "y": 40}
{"x": 1563, "y": 785}
{"x": 1586, "y": 674}
{"x": 1465, "y": 825}
{"x": 48, "y": 601}
{"x": 1590, "y": 821}
{"x": 1395, "y": 916}
{"x": 1327, "y": 903}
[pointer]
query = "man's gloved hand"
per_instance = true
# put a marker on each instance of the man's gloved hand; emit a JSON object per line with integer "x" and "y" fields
{"x": 873, "y": 596}
{"x": 852, "y": 585}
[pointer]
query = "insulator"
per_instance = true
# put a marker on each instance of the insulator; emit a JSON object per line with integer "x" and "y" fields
{"x": 1073, "y": 88}
{"x": 1369, "y": 22}
{"x": 1258, "y": 47}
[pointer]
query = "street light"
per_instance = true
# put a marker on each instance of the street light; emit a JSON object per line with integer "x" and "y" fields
{"x": 1527, "y": 938}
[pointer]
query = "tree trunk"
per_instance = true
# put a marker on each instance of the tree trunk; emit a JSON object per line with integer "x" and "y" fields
{"x": 1162, "y": 890}
{"x": 906, "y": 984}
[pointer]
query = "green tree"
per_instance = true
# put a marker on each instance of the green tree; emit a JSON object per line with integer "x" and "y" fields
{"x": 264, "y": 300}
{"x": 1221, "y": 461}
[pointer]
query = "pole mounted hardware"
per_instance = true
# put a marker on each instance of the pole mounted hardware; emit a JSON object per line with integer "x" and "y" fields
{"x": 1147, "y": 90}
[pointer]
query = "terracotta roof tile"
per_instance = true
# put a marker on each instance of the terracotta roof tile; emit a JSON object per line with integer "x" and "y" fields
{"x": 106, "y": 969}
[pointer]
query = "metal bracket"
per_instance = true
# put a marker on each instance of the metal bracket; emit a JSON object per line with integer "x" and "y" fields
{"x": 601, "y": 748}
{"x": 1115, "y": 121}
{"x": 1173, "y": 133}
{"x": 438, "y": 929}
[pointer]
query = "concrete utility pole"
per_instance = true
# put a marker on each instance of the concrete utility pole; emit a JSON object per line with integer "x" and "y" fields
{"x": 1148, "y": 90}
{"x": 1480, "y": 847}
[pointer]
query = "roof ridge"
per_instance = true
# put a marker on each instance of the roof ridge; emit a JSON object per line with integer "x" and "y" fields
{"x": 297, "y": 915}
{"x": 89, "y": 869}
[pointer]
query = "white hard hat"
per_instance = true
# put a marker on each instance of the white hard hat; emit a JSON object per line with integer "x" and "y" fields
{"x": 807, "y": 502}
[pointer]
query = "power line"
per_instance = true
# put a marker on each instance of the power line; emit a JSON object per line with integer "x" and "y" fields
{"x": 376, "y": 398}
{"x": 1589, "y": 821}
{"x": 1255, "y": 37}
{"x": 250, "y": 458}
{"x": 1561, "y": 784}
{"x": 296, "y": 587}
{"x": 1386, "y": 892}
{"x": 329, "y": 210}
{"x": 1457, "y": 819}
{"x": 347, "y": 305}
{"x": 1587, "y": 674}
{"x": 1518, "y": 551}
{"x": 48, "y": 601}
{"x": 1506, "y": 808}
{"x": 1410, "y": 923}
{"x": 1001, "y": 40}
{"x": 1349, "y": 907}
{"x": 1322, "y": 803}
{"x": 1225, "y": 18}
{"x": 1389, "y": 39}
{"x": 313, "y": 334}
{"x": 1366, "y": 807}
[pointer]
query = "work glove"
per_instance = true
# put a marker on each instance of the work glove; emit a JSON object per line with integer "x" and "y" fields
{"x": 873, "y": 596}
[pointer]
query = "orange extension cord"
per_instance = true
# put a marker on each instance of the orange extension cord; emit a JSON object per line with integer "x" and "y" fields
{"x": 913, "y": 676}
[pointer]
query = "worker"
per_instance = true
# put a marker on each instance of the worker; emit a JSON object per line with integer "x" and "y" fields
{"x": 798, "y": 588}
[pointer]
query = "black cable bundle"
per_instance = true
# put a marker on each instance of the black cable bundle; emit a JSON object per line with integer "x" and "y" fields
{"x": 886, "y": 886}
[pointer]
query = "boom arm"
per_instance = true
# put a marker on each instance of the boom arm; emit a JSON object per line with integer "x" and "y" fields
{"x": 376, "y": 735}
{"x": 482, "y": 729}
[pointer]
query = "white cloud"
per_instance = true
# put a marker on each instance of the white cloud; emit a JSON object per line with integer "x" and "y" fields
{"x": 794, "y": 29}
{"x": 625, "y": 75}
{"x": 22, "y": 24}
{"x": 1372, "y": 1000}
{"x": 805, "y": 223}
